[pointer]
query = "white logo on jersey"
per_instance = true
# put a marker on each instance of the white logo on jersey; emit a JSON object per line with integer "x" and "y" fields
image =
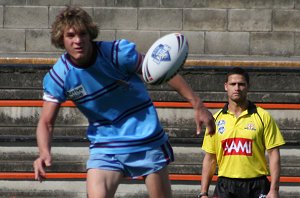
{"x": 76, "y": 93}
{"x": 250, "y": 127}
{"x": 221, "y": 126}
{"x": 237, "y": 146}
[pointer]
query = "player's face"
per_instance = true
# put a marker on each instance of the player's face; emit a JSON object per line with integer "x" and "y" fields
{"x": 237, "y": 88}
{"x": 78, "y": 46}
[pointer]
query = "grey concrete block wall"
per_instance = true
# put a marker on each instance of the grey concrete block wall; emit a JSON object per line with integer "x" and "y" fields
{"x": 250, "y": 20}
{"x": 213, "y": 28}
{"x": 160, "y": 19}
{"x": 286, "y": 20}
{"x": 12, "y": 40}
{"x": 276, "y": 43}
{"x": 227, "y": 43}
{"x": 210, "y": 20}
{"x": 116, "y": 18}
{"x": 1, "y": 16}
{"x": 38, "y": 40}
{"x": 25, "y": 17}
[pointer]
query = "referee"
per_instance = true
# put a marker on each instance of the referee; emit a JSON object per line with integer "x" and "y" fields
{"x": 243, "y": 133}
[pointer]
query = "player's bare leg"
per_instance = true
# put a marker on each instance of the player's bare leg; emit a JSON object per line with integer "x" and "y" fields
{"x": 158, "y": 184}
{"x": 102, "y": 183}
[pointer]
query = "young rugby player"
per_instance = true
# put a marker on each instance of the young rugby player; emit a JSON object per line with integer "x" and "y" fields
{"x": 102, "y": 79}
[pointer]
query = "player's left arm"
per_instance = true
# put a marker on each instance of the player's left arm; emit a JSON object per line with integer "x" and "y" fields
{"x": 274, "y": 164}
{"x": 202, "y": 115}
{"x": 127, "y": 58}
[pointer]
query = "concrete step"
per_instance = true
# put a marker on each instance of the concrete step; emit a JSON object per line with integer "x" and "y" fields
{"x": 188, "y": 160}
{"x": 25, "y": 82}
{"x": 18, "y": 125}
{"x": 76, "y": 136}
{"x": 131, "y": 189}
{"x": 170, "y": 117}
{"x": 70, "y": 151}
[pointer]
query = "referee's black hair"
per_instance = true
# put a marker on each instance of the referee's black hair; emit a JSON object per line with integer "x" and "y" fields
{"x": 240, "y": 71}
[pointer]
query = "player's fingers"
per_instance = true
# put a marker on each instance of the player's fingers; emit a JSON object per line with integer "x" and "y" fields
{"x": 48, "y": 162}
{"x": 198, "y": 126}
{"x": 39, "y": 174}
{"x": 39, "y": 171}
{"x": 36, "y": 174}
{"x": 211, "y": 127}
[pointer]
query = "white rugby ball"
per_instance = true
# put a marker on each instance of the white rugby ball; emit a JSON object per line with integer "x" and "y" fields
{"x": 164, "y": 58}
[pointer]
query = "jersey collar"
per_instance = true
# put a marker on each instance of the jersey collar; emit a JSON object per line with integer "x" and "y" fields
{"x": 251, "y": 108}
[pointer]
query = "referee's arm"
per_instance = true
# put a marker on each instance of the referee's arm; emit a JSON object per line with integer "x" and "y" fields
{"x": 208, "y": 170}
{"x": 274, "y": 164}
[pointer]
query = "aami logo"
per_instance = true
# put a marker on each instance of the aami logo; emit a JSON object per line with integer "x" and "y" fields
{"x": 237, "y": 146}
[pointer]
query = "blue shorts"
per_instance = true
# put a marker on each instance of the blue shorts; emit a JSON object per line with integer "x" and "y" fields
{"x": 134, "y": 164}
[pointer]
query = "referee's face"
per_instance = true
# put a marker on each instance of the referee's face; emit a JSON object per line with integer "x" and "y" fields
{"x": 237, "y": 88}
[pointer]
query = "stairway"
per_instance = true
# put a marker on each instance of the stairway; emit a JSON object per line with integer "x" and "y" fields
{"x": 274, "y": 88}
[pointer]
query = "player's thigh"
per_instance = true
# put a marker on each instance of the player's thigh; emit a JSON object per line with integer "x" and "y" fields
{"x": 158, "y": 184}
{"x": 102, "y": 183}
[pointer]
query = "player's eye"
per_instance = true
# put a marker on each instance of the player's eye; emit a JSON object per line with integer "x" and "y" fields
{"x": 83, "y": 34}
{"x": 69, "y": 35}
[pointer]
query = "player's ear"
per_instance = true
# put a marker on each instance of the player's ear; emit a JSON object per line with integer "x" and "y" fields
{"x": 225, "y": 86}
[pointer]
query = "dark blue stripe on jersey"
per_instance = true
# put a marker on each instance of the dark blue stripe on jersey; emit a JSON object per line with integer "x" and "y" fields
{"x": 65, "y": 62}
{"x": 117, "y": 55}
{"x": 126, "y": 113}
{"x": 97, "y": 94}
{"x": 116, "y": 144}
{"x": 56, "y": 78}
{"x": 112, "y": 52}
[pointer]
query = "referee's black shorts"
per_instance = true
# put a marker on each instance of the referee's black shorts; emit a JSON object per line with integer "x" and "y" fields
{"x": 242, "y": 188}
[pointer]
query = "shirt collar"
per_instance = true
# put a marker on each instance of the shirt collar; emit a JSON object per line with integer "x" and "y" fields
{"x": 251, "y": 108}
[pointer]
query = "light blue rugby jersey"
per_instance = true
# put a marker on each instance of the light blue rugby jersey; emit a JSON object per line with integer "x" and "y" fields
{"x": 121, "y": 115}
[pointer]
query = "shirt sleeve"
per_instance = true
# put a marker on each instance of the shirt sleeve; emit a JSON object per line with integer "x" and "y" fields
{"x": 209, "y": 143}
{"x": 53, "y": 84}
{"x": 126, "y": 57}
{"x": 47, "y": 97}
{"x": 272, "y": 134}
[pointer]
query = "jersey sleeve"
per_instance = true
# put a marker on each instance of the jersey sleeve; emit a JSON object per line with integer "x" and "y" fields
{"x": 128, "y": 57}
{"x": 209, "y": 143}
{"x": 272, "y": 134}
{"x": 47, "y": 97}
{"x": 123, "y": 55}
{"x": 53, "y": 84}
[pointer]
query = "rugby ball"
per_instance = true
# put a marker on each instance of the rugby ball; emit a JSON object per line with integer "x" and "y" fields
{"x": 164, "y": 58}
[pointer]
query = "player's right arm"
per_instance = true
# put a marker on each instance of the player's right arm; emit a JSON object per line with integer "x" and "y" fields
{"x": 201, "y": 113}
{"x": 208, "y": 170}
{"x": 44, "y": 136}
